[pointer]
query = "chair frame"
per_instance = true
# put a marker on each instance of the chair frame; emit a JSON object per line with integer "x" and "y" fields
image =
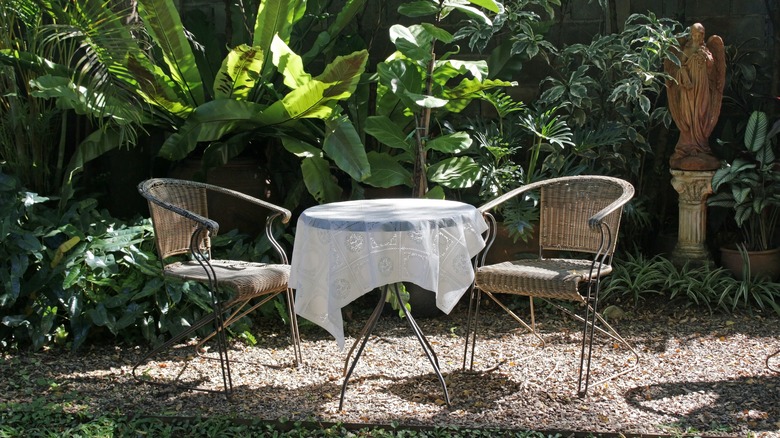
{"x": 769, "y": 358}
{"x": 199, "y": 250}
{"x": 589, "y": 288}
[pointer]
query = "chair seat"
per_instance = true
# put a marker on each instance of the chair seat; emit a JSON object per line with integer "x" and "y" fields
{"x": 247, "y": 279}
{"x": 545, "y": 278}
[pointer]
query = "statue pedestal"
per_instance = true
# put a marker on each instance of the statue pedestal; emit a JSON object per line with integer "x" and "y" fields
{"x": 693, "y": 188}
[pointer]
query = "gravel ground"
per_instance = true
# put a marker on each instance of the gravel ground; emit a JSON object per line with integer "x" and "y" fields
{"x": 698, "y": 373}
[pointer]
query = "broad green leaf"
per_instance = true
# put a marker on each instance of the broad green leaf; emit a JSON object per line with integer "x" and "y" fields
{"x": 83, "y": 100}
{"x": 315, "y": 98}
{"x": 157, "y": 88}
{"x": 99, "y": 315}
{"x": 31, "y": 61}
{"x": 342, "y": 144}
{"x": 399, "y": 76}
{"x": 435, "y": 193}
{"x": 344, "y": 18}
{"x": 319, "y": 181}
{"x": 490, "y": 5}
{"x": 387, "y": 171}
{"x": 28, "y": 242}
{"x": 387, "y": 132}
{"x": 150, "y": 288}
{"x": 289, "y": 64}
{"x": 461, "y": 95}
{"x": 274, "y": 17}
{"x": 164, "y": 24}
{"x": 425, "y": 101}
{"x": 450, "y": 68}
{"x": 239, "y": 74}
{"x": 62, "y": 249}
{"x": 420, "y": 8}
{"x": 434, "y": 32}
{"x": 300, "y": 148}
{"x": 455, "y": 172}
{"x": 756, "y": 137}
{"x": 471, "y": 11}
{"x": 210, "y": 122}
{"x": 95, "y": 145}
{"x": 450, "y": 144}
{"x": 415, "y": 45}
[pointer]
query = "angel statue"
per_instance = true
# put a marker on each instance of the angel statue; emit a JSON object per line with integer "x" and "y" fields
{"x": 695, "y": 91}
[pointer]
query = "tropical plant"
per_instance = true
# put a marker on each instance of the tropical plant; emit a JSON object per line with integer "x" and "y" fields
{"x": 520, "y": 145}
{"x": 607, "y": 89}
{"x": 416, "y": 88}
{"x": 33, "y": 130}
{"x": 130, "y": 78}
{"x": 750, "y": 185}
{"x": 635, "y": 276}
{"x": 518, "y": 30}
{"x": 69, "y": 275}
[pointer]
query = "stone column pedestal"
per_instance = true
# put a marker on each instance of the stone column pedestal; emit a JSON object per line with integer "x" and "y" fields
{"x": 693, "y": 187}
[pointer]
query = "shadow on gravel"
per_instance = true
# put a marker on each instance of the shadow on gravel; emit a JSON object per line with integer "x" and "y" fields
{"x": 710, "y": 405}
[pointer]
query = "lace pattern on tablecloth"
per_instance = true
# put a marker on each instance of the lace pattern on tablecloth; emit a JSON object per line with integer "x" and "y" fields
{"x": 346, "y": 249}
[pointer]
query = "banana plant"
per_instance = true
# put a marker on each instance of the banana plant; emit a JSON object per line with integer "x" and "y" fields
{"x": 128, "y": 81}
{"x": 414, "y": 87}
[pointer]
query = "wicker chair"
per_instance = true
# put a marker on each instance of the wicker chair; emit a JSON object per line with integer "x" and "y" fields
{"x": 579, "y": 215}
{"x": 179, "y": 211}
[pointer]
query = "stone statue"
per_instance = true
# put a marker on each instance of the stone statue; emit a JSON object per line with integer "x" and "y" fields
{"x": 695, "y": 94}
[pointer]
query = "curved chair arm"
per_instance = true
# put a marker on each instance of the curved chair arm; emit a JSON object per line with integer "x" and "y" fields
{"x": 595, "y": 221}
{"x": 282, "y": 212}
{"x": 144, "y": 188}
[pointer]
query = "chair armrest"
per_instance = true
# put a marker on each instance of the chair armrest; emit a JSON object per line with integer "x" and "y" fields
{"x": 204, "y": 222}
{"x": 594, "y": 221}
{"x": 282, "y": 212}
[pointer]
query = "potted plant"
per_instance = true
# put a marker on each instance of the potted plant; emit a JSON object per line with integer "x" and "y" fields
{"x": 750, "y": 186}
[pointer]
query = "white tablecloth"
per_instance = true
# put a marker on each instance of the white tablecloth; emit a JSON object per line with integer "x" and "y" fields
{"x": 343, "y": 250}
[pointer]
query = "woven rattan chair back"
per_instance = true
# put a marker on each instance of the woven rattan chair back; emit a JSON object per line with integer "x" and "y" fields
{"x": 172, "y": 229}
{"x": 566, "y": 207}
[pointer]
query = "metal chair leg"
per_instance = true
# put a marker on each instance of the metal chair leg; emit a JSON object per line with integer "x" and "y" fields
{"x": 770, "y": 357}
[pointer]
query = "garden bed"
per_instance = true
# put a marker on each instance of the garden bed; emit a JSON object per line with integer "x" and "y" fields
{"x": 698, "y": 373}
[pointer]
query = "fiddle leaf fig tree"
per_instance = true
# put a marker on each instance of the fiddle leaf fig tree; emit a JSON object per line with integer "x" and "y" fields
{"x": 417, "y": 87}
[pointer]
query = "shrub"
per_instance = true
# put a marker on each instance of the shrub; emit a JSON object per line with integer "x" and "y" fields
{"x": 636, "y": 276}
{"x": 78, "y": 273}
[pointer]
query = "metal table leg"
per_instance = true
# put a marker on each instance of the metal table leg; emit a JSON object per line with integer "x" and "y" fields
{"x": 366, "y": 333}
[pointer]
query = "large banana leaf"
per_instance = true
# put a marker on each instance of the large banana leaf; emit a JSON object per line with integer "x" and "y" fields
{"x": 342, "y": 144}
{"x": 164, "y": 25}
{"x": 275, "y": 18}
{"x": 210, "y": 122}
{"x": 314, "y": 98}
{"x": 319, "y": 181}
{"x": 238, "y": 74}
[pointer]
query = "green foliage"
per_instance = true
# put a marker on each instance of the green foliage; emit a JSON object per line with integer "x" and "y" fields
{"x": 750, "y": 185}
{"x": 635, "y": 277}
{"x": 32, "y": 128}
{"x": 607, "y": 89}
{"x": 128, "y": 81}
{"x": 416, "y": 89}
{"x": 70, "y": 276}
